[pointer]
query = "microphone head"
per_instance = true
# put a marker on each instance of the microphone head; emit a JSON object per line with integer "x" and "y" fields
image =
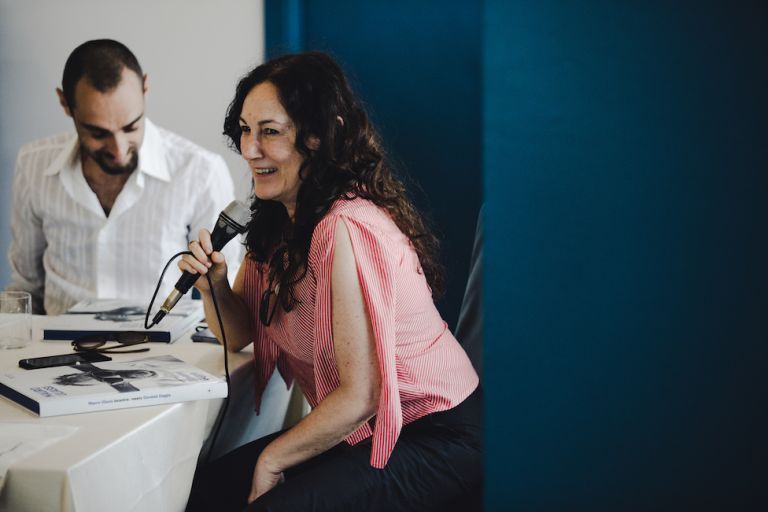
{"x": 239, "y": 214}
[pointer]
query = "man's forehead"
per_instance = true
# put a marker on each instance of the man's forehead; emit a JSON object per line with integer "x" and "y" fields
{"x": 129, "y": 81}
{"x": 110, "y": 110}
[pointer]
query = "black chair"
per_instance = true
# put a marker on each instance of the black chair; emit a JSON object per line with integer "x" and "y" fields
{"x": 469, "y": 333}
{"x": 469, "y": 329}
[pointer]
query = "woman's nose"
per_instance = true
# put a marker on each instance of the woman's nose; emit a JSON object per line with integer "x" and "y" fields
{"x": 250, "y": 147}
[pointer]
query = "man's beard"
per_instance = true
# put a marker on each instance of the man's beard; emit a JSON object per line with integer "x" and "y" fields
{"x": 102, "y": 160}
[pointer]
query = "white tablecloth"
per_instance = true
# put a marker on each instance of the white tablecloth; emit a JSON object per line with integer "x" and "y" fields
{"x": 140, "y": 459}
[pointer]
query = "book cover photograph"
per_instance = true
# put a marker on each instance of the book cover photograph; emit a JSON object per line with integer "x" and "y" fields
{"x": 87, "y": 387}
{"x": 101, "y": 316}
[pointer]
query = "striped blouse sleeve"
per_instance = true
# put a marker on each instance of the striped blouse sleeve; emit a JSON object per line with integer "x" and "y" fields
{"x": 376, "y": 266}
{"x": 266, "y": 353}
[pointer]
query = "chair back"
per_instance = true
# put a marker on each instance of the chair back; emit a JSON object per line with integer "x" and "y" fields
{"x": 469, "y": 329}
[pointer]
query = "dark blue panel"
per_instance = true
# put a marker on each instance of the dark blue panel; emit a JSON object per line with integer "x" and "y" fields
{"x": 283, "y": 26}
{"x": 417, "y": 67}
{"x": 626, "y": 283}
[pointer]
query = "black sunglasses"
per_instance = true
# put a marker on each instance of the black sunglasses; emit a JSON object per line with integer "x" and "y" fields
{"x": 266, "y": 313}
{"x": 125, "y": 340}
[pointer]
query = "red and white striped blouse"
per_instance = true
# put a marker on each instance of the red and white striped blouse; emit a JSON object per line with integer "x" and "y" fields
{"x": 423, "y": 368}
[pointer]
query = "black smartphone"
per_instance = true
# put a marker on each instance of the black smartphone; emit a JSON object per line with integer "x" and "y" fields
{"x": 204, "y": 335}
{"x": 35, "y": 363}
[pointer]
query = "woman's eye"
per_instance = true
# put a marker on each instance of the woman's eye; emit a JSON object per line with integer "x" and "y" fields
{"x": 245, "y": 129}
{"x": 270, "y": 131}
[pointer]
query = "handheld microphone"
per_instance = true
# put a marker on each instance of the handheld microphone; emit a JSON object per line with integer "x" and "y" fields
{"x": 232, "y": 221}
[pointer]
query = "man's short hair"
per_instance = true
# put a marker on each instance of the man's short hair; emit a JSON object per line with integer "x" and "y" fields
{"x": 101, "y": 61}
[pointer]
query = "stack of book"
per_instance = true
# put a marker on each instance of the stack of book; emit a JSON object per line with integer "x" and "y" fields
{"x": 87, "y": 387}
{"x": 103, "y": 316}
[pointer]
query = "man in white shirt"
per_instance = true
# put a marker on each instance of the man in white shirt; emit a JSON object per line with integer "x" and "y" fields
{"x": 97, "y": 213}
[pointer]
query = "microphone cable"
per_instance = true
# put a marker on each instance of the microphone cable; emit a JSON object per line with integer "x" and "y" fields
{"x": 148, "y": 325}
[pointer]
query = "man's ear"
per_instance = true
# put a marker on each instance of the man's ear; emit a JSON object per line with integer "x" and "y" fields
{"x": 340, "y": 121}
{"x": 63, "y": 102}
{"x": 145, "y": 83}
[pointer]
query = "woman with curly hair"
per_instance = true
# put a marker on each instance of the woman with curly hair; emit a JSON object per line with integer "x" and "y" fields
{"x": 336, "y": 292}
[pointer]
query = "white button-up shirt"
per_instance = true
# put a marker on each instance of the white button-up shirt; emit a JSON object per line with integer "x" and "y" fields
{"x": 64, "y": 247}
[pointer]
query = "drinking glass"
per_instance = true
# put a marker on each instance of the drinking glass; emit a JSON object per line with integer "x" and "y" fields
{"x": 15, "y": 319}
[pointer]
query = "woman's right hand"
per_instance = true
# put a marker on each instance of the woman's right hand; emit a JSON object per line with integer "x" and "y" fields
{"x": 204, "y": 260}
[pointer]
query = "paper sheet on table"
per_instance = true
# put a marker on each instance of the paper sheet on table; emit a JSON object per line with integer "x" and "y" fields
{"x": 18, "y": 440}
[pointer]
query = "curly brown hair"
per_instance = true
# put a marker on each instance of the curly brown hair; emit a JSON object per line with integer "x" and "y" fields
{"x": 349, "y": 162}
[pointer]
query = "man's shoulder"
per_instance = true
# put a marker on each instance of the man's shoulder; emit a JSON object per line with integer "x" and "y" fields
{"x": 53, "y": 145}
{"x": 37, "y": 156}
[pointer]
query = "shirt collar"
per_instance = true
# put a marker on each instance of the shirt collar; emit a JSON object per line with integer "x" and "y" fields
{"x": 68, "y": 156}
{"x": 151, "y": 156}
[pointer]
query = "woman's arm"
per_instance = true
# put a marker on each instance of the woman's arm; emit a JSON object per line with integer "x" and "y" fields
{"x": 234, "y": 312}
{"x": 356, "y": 399}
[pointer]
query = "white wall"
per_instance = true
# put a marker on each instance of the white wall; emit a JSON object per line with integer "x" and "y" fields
{"x": 193, "y": 51}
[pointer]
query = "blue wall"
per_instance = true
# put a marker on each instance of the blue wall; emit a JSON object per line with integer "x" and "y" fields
{"x": 417, "y": 66}
{"x": 626, "y": 287}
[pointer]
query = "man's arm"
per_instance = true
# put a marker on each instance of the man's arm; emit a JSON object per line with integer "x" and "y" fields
{"x": 27, "y": 240}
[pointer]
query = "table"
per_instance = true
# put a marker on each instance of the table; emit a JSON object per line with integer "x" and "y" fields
{"x": 140, "y": 459}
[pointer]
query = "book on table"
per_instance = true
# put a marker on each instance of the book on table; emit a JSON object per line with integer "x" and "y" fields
{"x": 103, "y": 316}
{"x": 88, "y": 387}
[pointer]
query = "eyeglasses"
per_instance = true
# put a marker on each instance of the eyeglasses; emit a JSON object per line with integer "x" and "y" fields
{"x": 125, "y": 340}
{"x": 269, "y": 299}
{"x": 269, "y": 295}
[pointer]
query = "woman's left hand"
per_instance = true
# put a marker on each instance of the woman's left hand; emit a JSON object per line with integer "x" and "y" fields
{"x": 265, "y": 477}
